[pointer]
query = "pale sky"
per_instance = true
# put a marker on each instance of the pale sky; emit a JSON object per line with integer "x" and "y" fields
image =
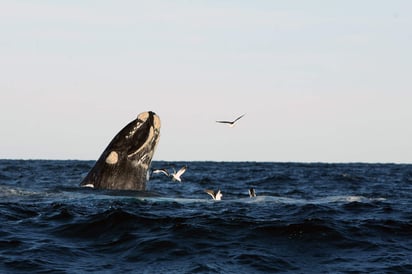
{"x": 319, "y": 81}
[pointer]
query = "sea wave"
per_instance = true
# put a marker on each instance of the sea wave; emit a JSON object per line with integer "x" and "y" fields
{"x": 334, "y": 218}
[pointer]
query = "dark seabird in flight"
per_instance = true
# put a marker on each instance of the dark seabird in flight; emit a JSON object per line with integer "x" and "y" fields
{"x": 231, "y": 123}
{"x": 215, "y": 195}
{"x": 175, "y": 175}
{"x": 252, "y": 192}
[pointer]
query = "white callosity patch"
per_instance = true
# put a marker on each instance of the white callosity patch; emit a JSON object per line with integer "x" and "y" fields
{"x": 112, "y": 158}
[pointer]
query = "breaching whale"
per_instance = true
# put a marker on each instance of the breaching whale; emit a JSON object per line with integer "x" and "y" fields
{"x": 125, "y": 162}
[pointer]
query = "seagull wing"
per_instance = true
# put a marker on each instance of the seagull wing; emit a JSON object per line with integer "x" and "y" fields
{"x": 238, "y": 118}
{"x": 218, "y": 195}
{"x": 181, "y": 171}
{"x": 224, "y": 122}
{"x": 231, "y": 122}
{"x": 164, "y": 171}
{"x": 210, "y": 192}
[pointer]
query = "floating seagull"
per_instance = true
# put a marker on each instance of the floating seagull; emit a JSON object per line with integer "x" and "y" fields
{"x": 252, "y": 192}
{"x": 175, "y": 175}
{"x": 215, "y": 195}
{"x": 231, "y": 123}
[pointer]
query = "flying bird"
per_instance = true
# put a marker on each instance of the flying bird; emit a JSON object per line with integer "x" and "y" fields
{"x": 215, "y": 195}
{"x": 231, "y": 123}
{"x": 175, "y": 175}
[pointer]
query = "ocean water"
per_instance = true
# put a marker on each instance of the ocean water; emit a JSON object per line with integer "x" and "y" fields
{"x": 306, "y": 218}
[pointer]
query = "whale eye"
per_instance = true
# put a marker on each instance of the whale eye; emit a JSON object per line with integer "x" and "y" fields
{"x": 112, "y": 158}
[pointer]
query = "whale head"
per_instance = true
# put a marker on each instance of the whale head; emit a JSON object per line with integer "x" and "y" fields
{"x": 126, "y": 160}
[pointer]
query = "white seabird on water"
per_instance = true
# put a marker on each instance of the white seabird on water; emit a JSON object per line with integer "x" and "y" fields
{"x": 215, "y": 195}
{"x": 175, "y": 175}
{"x": 231, "y": 123}
{"x": 252, "y": 192}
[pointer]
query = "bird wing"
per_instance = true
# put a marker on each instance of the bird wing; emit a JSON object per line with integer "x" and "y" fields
{"x": 224, "y": 122}
{"x": 239, "y": 117}
{"x": 210, "y": 192}
{"x": 181, "y": 171}
{"x": 164, "y": 171}
{"x": 231, "y": 122}
{"x": 218, "y": 195}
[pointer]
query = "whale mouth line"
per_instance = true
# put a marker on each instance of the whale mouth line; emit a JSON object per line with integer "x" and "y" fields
{"x": 151, "y": 137}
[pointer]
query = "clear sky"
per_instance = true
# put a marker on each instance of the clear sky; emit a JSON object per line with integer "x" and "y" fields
{"x": 319, "y": 81}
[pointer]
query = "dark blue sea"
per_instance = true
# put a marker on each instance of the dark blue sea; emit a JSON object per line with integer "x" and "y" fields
{"x": 306, "y": 218}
